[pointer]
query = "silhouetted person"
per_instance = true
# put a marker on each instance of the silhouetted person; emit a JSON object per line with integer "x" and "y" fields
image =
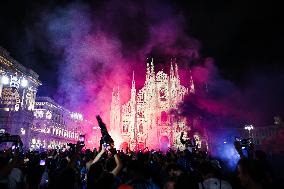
{"x": 190, "y": 144}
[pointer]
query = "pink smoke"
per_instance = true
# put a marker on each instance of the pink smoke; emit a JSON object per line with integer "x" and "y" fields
{"x": 100, "y": 46}
{"x": 96, "y": 58}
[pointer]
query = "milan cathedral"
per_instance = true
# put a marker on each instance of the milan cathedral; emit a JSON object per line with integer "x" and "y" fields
{"x": 145, "y": 120}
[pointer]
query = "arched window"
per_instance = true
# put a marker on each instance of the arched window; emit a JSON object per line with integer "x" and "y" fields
{"x": 125, "y": 128}
{"x": 141, "y": 128}
{"x": 164, "y": 116}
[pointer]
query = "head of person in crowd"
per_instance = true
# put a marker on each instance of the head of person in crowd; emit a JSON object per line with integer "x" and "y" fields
{"x": 174, "y": 170}
{"x": 260, "y": 155}
{"x": 95, "y": 172}
{"x": 99, "y": 177}
{"x": 251, "y": 173}
{"x": 63, "y": 163}
{"x": 125, "y": 186}
{"x": 34, "y": 174}
{"x": 139, "y": 176}
{"x": 186, "y": 181}
{"x": 136, "y": 170}
{"x": 170, "y": 183}
{"x": 208, "y": 169}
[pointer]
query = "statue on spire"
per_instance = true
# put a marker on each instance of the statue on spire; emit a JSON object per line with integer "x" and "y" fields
{"x": 176, "y": 69}
{"x": 172, "y": 73}
{"x": 152, "y": 67}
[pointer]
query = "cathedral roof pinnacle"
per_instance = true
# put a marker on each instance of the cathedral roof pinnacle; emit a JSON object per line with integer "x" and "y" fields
{"x": 152, "y": 66}
{"x": 133, "y": 81}
{"x": 176, "y": 70}
{"x": 172, "y": 74}
{"x": 192, "y": 88}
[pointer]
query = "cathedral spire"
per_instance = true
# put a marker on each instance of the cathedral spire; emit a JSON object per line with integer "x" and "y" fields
{"x": 172, "y": 74}
{"x": 152, "y": 67}
{"x": 192, "y": 88}
{"x": 133, "y": 81}
{"x": 133, "y": 90}
{"x": 118, "y": 93}
{"x": 115, "y": 95}
{"x": 176, "y": 69}
{"x": 148, "y": 70}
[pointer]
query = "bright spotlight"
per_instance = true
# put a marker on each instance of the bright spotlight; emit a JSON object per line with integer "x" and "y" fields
{"x": 248, "y": 127}
{"x": 23, "y": 131}
{"x": 5, "y": 80}
{"x": 24, "y": 83}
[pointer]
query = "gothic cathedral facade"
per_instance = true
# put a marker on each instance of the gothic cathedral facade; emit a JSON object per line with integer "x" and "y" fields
{"x": 145, "y": 120}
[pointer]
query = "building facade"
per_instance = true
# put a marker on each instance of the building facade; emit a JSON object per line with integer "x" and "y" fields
{"x": 54, "y": 126}
{"x": 18, "y": 88}
{"x": 39, "y": 121}
{"x": 268, "y": 138}
{"x": 145, "y": 120}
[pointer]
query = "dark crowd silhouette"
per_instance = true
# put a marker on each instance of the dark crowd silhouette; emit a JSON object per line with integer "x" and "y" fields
{"x": 109, "y": 168}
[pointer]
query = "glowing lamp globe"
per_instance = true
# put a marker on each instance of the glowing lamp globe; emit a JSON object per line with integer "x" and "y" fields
{"x": 24, "y": 83}
{"x": 5, "y": 80}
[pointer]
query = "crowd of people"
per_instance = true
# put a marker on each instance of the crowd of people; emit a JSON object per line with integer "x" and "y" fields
{"x": 109, "y": 168}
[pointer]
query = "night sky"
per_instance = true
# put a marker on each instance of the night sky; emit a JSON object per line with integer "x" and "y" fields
{"x": 244, "y": 42}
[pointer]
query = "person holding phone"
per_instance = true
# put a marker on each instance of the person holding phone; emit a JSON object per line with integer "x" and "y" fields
{"x": 42, "y": 162}
{"x": 98, "y": 176}
{"x": 82, "y": 140}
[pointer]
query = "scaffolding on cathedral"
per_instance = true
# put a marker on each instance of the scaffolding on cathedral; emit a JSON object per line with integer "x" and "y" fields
{"x": 144, "y": 121}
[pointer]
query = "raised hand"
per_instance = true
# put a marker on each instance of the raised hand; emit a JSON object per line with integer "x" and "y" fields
{"x": 238, "y": 147}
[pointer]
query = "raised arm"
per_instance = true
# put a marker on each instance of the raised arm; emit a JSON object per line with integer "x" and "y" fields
{"x": 99, "y": 155}
{"x": 238, "y": 148}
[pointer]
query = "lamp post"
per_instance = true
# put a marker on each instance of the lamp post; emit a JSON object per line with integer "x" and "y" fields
{"x": 249, "y": 128}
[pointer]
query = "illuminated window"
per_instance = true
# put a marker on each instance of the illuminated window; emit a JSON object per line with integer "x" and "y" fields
{"x": 48, "y": 115}
{"x": 125, "y": 128}
{"x": 141, "y": 128}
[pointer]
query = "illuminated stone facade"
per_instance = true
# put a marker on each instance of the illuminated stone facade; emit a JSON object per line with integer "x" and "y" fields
{"x": 55, "y": 126}
{"x": 18, "y": 85}
{"x": 39, "y": 121}
{"x": 145, "y": 120}
{"x": 18, "y": 88}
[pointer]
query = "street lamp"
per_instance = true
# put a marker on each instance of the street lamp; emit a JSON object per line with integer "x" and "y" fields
{"x": 249, "y": 128}
{"x": 24, "y": 82}
{"x": 5, "y": 80}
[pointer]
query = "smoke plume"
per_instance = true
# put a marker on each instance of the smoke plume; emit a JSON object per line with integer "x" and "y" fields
{"x": 94, "y": 47}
